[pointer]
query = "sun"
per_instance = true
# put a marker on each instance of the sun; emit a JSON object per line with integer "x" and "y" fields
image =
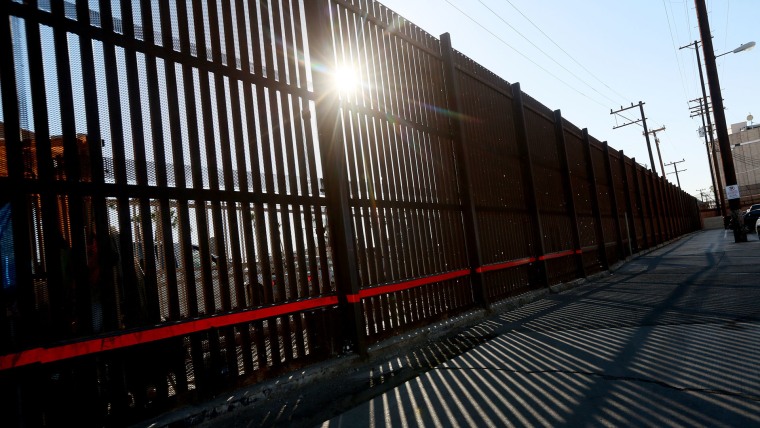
{"x": 346, "y": 80}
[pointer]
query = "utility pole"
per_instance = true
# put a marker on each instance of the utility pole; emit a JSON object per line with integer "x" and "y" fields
{"x": 643, "y": 121}
{"x": 709, "y": 128}
{"x": 734, "y": 198}
{"x": 701, "y": 194}
{"x": 657, "y": 144}
{"x": 703, "y": 110}
{"x": 676, "y": 170}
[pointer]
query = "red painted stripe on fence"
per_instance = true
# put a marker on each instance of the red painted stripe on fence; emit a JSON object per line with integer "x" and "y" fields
{"x": 46, "y": 355}
{"x": 392, "y": 288}
{"x": 556, "y": 255}
{"x": 505, "y": 265}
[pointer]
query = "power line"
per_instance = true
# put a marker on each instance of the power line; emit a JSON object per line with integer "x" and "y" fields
{"x": 522, "y": 54}
{"x": 533, "y": 62}
{"x": 542, "y": 51}
{"x": 622, "y": 97}
{"x": 675, "y": 52}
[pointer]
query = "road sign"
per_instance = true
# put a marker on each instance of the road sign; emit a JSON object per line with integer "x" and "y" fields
{"x": 732, "y": 192}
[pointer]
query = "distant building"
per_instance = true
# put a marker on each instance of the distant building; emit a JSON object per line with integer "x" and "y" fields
{"x": 744, "y": 139}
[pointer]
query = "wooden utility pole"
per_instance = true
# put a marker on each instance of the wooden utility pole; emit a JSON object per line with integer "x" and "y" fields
{"x": 734, "y": 201}
{"x": 676, "y": 170}
{"x": 708, "y": 130}
{"x": 643, "y": 121}
{"x": 702, "y": 194}
{"x": 703, "y": 109}
{"x": 657, "y": 144}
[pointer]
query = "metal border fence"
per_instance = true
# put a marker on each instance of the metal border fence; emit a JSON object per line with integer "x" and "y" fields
{"x": 190, "y": 201}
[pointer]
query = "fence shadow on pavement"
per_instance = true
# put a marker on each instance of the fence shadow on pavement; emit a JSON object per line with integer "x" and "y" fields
{"x": 669, "y": 338}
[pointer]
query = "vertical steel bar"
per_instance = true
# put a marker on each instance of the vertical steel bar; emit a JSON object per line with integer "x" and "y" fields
{"x": 239, "y": 214}
{"x": 639, "y": 205}
{"x": 238, "y": 165}
{"x": 656, "y": 213}
{"x": 660, "y": 191}
{"x": 194, "y": 142}
{"x": 45, "y": 174}
{"x": 18, "y": 200}
{"x": 319, "y": 25}
{"x": 296, "y": 267}
{"x": 159, "y": 157}
{"x": 654, "y": 230}
{"x": 600, "y": 239}
{"x": 148, "y": 261}
{"x": 259, "y": 263}
{"x": 613, "y": 201}
{"x": 223, "y": 288}
{"x": 469, "y": 213}
{"x": 105, "y": 293}
{"x": 125, "y": 241}
{"x": 628, "y": 204}
{"x": 529, "y": 186}
{"x": 223, "y": 180}
{"x": 559, "y": 131}
{"x": 73, "y": 170}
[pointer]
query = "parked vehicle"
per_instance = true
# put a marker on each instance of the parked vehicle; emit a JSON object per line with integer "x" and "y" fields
{"x": 751, "y": 215}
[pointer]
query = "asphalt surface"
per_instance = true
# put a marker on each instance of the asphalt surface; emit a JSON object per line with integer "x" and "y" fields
{"x": 670, "y": 338}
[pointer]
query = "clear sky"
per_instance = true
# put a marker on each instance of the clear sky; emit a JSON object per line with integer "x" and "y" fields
{"x": 588, "y": 57}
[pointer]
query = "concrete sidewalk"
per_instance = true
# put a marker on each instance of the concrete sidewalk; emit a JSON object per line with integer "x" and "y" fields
{"x": 671, "y": 338}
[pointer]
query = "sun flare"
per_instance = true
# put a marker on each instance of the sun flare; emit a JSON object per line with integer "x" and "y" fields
{"x": 346, "y": 79}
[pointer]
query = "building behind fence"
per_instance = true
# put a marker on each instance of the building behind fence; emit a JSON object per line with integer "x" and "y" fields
{"x": 190, "y": 203}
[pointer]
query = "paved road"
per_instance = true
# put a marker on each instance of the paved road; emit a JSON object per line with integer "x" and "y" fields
{"x": 671, "y": 338}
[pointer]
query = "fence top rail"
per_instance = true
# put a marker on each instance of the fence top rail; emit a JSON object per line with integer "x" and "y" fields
{"x": 537, "y": 107}
{"x": 393, "y": 24}
{"x": 571, "y": 128}
{"x": 471, "y": 68}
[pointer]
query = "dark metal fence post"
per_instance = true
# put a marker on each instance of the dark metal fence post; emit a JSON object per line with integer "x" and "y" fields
{"x": 332, "y": 150}
{"x": 662, "y": 199}
{"x": 639, "y": 203}
{"x": 685, "y": 212}
{"x": 559, "y": 131}
{"x": 672, "y": 211}
{"x": 469, "y": 213}
{"x": 601, "y": 244}
{"x": 613, "y": 202}
{"x": 654, "y": 212}
{"x": 668, "y": 208}
{"x": 529, "y": 184}
{"x": 630, "y": 219}
{"x": 676, "y": 216}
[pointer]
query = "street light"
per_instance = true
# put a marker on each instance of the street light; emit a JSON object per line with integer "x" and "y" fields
{"x": 745, "y": 47}
{"x": 732, "y": 190}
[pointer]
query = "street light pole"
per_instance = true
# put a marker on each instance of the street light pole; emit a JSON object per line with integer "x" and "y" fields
{"x": 734, "y": 202}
